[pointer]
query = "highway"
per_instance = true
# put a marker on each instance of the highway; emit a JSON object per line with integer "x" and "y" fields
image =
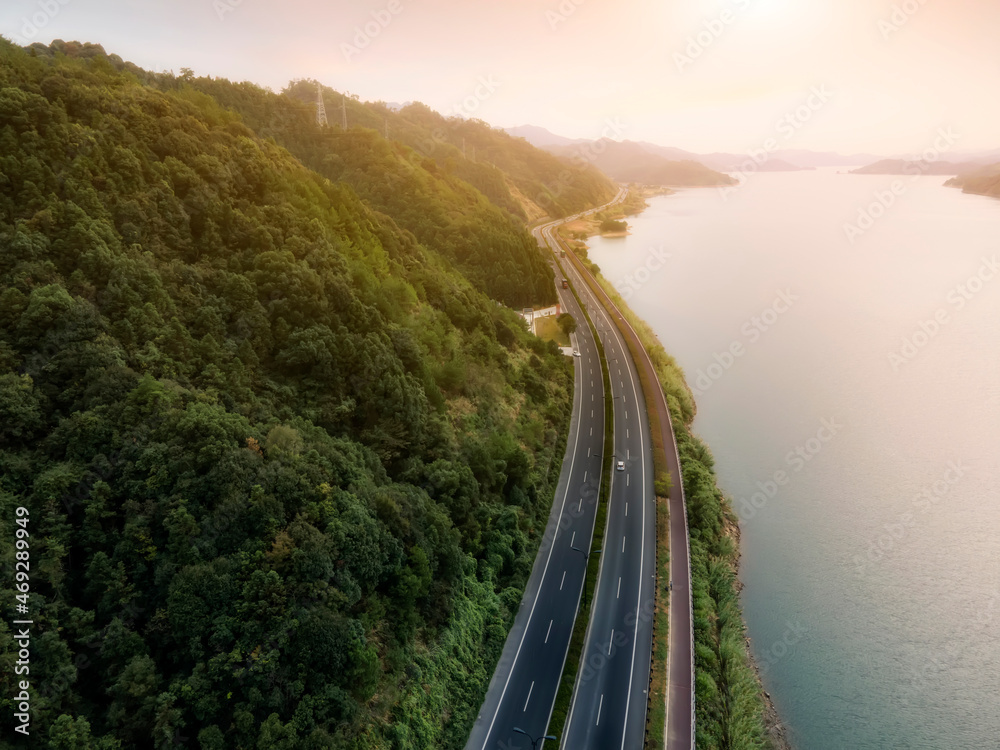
{"x": 610, "y": 696}
{"x": 526, "y": 680}
{"x": 680, "y": 720}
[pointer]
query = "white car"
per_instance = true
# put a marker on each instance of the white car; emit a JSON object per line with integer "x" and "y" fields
{"x": 621, "y": 466}
{"x": 576, "y": 352}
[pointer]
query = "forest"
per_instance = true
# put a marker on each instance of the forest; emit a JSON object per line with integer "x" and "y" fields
{"x": 284, "y": 450}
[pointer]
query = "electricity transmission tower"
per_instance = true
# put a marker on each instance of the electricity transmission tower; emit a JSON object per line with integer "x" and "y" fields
{"x": 320, "y": 106}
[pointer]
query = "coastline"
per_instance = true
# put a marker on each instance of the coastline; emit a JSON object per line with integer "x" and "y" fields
{"x": 777, "y": 730}
{"x": 774, "y": 729}
{"x": 575, "y": 233}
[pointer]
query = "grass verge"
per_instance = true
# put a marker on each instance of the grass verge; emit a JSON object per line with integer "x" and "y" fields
{"x": 548, "y": 329}
{"x": 656, "y": 715}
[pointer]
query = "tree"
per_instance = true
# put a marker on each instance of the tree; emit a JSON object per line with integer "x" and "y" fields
{"x": 567, "y": 322}
{"x": 20, "y": 413}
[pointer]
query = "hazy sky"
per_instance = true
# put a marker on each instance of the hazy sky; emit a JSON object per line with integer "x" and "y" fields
{"x": 889, "y": 79}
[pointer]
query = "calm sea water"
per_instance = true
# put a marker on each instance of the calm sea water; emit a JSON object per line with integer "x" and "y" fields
{"x": 850, "y": 392}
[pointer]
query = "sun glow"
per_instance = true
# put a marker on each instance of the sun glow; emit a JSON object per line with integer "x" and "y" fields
{"x": 772, "y": 7}
{"x": 778, "y": 13}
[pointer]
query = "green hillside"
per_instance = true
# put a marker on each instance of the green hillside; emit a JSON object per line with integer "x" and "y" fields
{"x": 493, "y": 161}
{"x": 285, "y": 461}
{"x": 983, "y": 181}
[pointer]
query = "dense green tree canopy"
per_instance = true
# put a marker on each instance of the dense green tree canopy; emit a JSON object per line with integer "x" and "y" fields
{"x": 285, "y": 463}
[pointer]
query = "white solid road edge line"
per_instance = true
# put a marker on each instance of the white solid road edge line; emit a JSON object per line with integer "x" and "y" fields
{"x": 541, "y": 582}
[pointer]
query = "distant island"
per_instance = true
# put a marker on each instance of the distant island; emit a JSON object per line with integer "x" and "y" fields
{"x": 738, "y": 163}
{"x": 916, "y": 167}
{"x": 614, "y": 228}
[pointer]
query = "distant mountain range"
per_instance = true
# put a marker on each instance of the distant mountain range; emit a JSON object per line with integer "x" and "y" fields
{"x": 627, "y": 161}
{"x": 641, "y": 161}
{"x": 905, "y": 166}
{"x": 651, "y": 163}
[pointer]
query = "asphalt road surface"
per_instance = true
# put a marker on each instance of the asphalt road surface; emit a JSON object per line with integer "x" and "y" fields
{"x": 524, "y": 685}
{"x": 611, "y": 692}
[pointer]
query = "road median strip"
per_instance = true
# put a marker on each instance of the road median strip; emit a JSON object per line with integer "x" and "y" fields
{"x": 560, "y": 709}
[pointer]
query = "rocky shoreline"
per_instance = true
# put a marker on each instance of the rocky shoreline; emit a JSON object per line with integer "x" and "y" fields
{"x": 777, "y": 732}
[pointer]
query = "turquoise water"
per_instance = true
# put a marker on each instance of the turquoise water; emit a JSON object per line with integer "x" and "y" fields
{"x": 850, "y": 394}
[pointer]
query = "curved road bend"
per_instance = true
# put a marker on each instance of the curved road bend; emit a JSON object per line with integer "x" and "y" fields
{"x": 523, "y": 689}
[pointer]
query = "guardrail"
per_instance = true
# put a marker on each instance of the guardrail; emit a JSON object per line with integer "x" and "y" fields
{"x": 608, "y": 302}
